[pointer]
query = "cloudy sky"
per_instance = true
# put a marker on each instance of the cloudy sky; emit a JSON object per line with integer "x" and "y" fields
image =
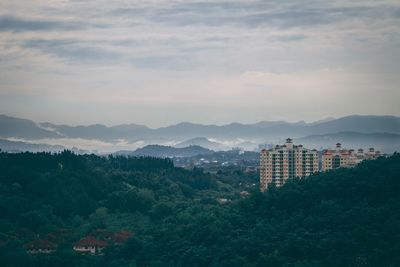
{"x": 161, "y": 62}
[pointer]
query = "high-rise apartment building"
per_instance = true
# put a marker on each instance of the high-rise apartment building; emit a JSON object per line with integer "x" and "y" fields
{"x": 345, "y": 158}
{"x": 283, "y": 162}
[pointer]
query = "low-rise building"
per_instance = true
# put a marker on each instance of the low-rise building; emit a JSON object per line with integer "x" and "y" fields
{"x": 90, "y": 245}
{"x": 40, "y": 246}
{"x": 345, "y": 158}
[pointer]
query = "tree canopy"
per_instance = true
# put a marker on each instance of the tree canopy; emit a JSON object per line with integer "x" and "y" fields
{"x": 346, "y": 217}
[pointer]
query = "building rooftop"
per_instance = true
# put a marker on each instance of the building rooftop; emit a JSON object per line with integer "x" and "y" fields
{"x": 90, "y": 241}
{"x": 40, "y": 244}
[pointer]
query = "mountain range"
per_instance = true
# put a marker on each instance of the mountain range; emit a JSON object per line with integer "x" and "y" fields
{"x": 359, "y": 130}
{"x": 18, "y": 146}
{"x": 203, "y": 142}
{"x": 386, "y": 142}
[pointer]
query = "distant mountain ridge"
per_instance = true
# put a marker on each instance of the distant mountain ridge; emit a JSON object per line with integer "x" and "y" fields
{"x": 22, "y": 128}
{"x": 386, "y": 142}
{"x": 18, "y": 146}
{"x": 15, "y": 127}
{"x": 203, "y": 142}
{"x": 96, "y": 131}
{"x": 247, "y": 136}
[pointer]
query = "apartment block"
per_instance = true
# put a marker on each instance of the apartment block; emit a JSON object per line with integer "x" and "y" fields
{"x": 346, "y": 158}
{"x": 284, "y": 162}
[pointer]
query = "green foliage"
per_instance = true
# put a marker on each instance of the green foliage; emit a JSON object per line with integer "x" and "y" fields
{"x": 347, "y": 217}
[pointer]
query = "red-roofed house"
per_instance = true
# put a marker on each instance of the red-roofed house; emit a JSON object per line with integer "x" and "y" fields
{"x": 40, "y": 246}
{"x": 90, "y": 244}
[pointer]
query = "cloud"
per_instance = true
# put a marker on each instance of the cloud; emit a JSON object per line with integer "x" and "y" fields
{"x": 14, "y": 24}
{"x": 73, "y": 50}
{"x": 165, "y": 62}
{"x": 291, "y": 37}
{"x": 207, "y": 60}
{"x": 182, "y": 35}
{"x": 86, "y": 144}
{"x": 278, "y": 14}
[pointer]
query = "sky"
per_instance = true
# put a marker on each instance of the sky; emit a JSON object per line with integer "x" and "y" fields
{"x": 162, "y": 62}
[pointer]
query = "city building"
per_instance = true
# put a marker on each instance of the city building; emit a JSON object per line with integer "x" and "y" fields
{"x": 283, "y": 162}
{"x": 346, "y": 158}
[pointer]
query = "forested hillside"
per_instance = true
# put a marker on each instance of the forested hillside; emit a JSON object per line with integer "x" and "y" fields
{"x": 348, "y": 217}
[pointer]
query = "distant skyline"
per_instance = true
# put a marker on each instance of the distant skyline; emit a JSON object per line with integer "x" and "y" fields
{"x": 159, "y": 62}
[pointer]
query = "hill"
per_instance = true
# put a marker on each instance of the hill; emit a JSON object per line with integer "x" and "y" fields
{"x": 21, "y": 128}
{"x": 386, "y": 142}
{"x": 18, "y": 146}
{"x": 203, "y": 142}
{"x": 99, "y": 131}
{"x": 43, "y": 195}
{"x": 275, "y": 130}
{"x": 159, "y": 151}
{"x": 234, "y": 133}
{"x": 346, "y": 217}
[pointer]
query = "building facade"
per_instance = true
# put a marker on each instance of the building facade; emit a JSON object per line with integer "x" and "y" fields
{"x": 283, "y": 162}
{"x": 346, "y": 158}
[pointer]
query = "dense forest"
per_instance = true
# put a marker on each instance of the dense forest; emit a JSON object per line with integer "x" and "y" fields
{"x": 346, "y": 217}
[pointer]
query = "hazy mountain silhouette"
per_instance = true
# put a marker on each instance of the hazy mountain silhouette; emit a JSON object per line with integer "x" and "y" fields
{"x": 166, "y": 151}
{"x": 99, "y": 131}
{"x": 203, "y": 142}
{"x": 21, "y": 128}
{"x": 275, "y": 130}
{"x": 386, "y": 142}
{"x": 258, "y": 132}
{"x": 18, "y": 146}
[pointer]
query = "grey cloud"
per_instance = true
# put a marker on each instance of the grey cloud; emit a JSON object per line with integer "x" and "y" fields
{"x": 14, "y": 24}
{"x": 256, "y": 14}
{"x": 287, "y": 19}
{"x": 291, "y": 37}
{"x": 279, "y": 14}
{"x": 143, "y": 42}
{"x": 357, "y": 45}
{"x": 183, "y": 45}
{"x": 73, "y": 50}
{"x": 177, "y": 63}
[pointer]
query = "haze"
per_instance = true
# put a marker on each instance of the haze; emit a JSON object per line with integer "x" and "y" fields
{"x": 162, "y": 62}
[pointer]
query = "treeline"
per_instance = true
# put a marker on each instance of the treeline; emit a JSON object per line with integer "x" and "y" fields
{"x": 347, "y": 217}
{"x": 43, "y": 192}
{"x": 44, "y": 188}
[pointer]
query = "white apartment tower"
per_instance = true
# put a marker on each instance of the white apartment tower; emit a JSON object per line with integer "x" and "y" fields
{"x": 283, "y": 162}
